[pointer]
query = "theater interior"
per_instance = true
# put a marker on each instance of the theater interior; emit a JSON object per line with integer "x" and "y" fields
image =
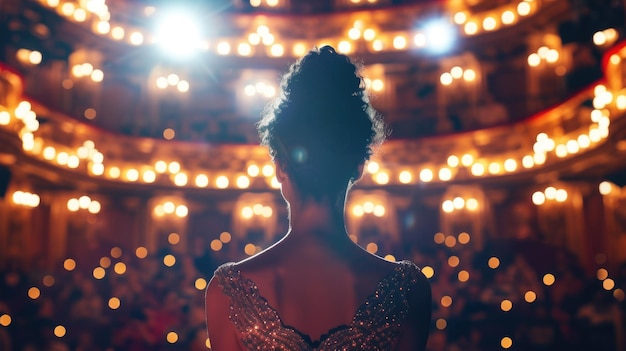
{"x": 130, "y": 165}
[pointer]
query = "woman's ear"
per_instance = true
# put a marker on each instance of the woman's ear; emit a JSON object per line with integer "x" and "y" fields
{"x": 281, "y": 175}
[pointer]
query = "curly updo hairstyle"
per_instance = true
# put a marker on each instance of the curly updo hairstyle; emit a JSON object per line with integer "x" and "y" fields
{"x": 322, "y": 126}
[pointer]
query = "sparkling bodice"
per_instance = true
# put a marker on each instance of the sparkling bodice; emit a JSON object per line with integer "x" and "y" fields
{"x": 375, "y": 325}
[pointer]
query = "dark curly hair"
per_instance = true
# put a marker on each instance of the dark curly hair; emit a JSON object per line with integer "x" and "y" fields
{"x": 322, "y": 126}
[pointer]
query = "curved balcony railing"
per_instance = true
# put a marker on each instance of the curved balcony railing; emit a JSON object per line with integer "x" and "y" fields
{"x": 549, "y": 139}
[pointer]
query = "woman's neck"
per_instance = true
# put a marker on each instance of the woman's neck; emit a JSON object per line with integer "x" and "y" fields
{"x": 317, "y": 221}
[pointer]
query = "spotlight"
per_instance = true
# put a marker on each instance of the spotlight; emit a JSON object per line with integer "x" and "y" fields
{"x": 178, "y": 35}
{"x": 440, "y": 35}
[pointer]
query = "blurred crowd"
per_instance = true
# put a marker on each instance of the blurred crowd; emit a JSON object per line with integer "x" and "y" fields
{"x": 502, "y": 297}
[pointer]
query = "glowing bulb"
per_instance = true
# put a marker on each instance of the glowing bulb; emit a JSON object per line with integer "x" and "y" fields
{"x": 179, "y": 35}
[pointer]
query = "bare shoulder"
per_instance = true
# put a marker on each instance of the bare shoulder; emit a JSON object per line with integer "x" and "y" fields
{"x": 222, "y": 333}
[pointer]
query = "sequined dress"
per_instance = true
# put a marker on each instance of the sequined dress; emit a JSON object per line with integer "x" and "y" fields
{"x": 375, "y": 325}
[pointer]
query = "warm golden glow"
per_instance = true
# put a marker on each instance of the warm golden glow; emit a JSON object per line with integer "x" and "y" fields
{"x": 550, "y": 193}
{"x": 445, "y": 174}
{"x": 605, "y": 188}
{"x": 141, "y": 252}
{"x": 467, "y": 160}
{"x": 34, "y": 293}
{"x": 173, "y": 238}
{"x": 453, "y": 161}
{"x": 508, "y": 17}
{"x": 456, "y": 72}
{"x": 506, "y": 305}
{"x": 534, "y": 60}
{"x": 221, "y": 182}
{"x": 372, "y": 167}
{"x": 510, "y": 165}
{"x": 114, "y": 303}
{"x": 377, "y": 45}
{"x": 249, "y": 249}
{"x": 446, "y": 301}
{"x": 216, "y": 245}
{"x": 69, "y": 264}
{"x": 471, "y": 28}
{"x": 267, "y": 170}
{"x": 169, "y": 260}
{"x": 120, "y": 268}
{"x": 5, "y": 320}
{"x": 450, "y": 241}
{"x": 493, "y": 262}
{"x": 548, "y": 279}
{"x": 243, "y": 182}
{"x": 460, "y": 17}
{"x": 59, "y": 331}
{"x": 441, "y": 324}
{"x": 439, "y": 238}
{"x": 200, "y": 284}
{"x": 471, "y": 204}
{"x": 489, "y": 23}
{"x": 428, "y": 271}
{"x": 98, "y": 273}
{"x": 538, "y": 198}
{"x": 426, "y": 175}
{"x": 399, "y": 42}
{"x": 530, "y": 296}
{"x": 369, "y": 34}
{"x": 372, "y": 248}
{"x": 463, "y": 276}
{"x": 523, "y": 8}
{"x": 506, "y": 342}
{"x": 344, "y": 47}
{"x": 390, "y": 258}
{"x": 247, "y": 212}
{"x": 405, "y": 177}
{"x": 225, "y": 237}
{"x": 478, "y": 169}
{"x": 181, "y": 211}
{"x": 463, "y": 238}
{"x": 132, "y": 175}
{"x": 458, "y": 202}
{"x": 494, "y": 168}
{"x": 172, "y": 337}
{"x": 117, "y": 33}
{"x": 277, "y": 50}
{"x": 105, "y": 262}
{"x": 446, "y": 78}
{"x": 381, "y": 177}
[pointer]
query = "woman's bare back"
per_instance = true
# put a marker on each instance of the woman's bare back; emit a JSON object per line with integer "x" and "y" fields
{"x": 315, "y": 294}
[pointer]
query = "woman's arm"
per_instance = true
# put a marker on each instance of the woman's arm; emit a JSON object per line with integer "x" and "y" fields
{"x": 222, "y": 333}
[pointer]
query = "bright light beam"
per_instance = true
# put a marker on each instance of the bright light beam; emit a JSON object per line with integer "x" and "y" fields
{"x": 440, "y": 36}
{"x": 178, "y": 35}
